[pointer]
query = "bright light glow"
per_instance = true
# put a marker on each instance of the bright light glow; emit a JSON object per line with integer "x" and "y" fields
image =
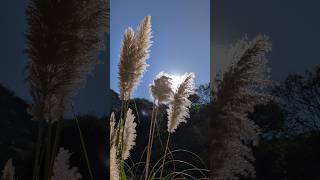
{"x": 176, "y": 80}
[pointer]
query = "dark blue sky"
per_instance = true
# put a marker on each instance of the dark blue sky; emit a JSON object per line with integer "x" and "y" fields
{"x": 181, "y": 37}
{"x": 292, "y": 25}
{"x": 13, "y": 59}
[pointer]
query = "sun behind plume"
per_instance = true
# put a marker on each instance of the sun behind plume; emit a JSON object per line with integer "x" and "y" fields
{"x": 161, "y": 88}
{"x": 178, "y": 109}
{"x": 176, "y": 80}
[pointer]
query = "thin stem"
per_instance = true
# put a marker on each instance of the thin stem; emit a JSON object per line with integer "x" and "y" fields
{"x": 41, "y": 161}
{"x": 48, "y": 151}
{"x": 55, "y": 146}
{"x": 153, "y": 129}
{"x": 38, "y": 149}
{"x": 84, "y": 149}
{"x": 121, "y": 110}
{"x": 136, "y": 108}
{"x": 149, "y": 142}
{"x": 165, "y": 154}
{"x": 83, "y": 145}
{"x": 159, "y": 135}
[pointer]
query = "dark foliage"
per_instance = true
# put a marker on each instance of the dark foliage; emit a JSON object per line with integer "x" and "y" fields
{"x": 17, "y": 132}
{"x": 96, "y": 137}
{"x": 270, "y": 118}
{"x": 18, "y": 135}
{"x": 300, "y": 98}
{"x": 293, "y": 158}
{"x": 277, "y": 158}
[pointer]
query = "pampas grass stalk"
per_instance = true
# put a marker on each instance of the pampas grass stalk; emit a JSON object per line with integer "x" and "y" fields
{"x": 63, "y": 40}
{"x": 134, "y": 53}
{"x": 48, "y": 150}
{"x": 121, "y": 142}
{"x": 55, "y": 145}
{"x": 178, "y": 109}
{"x": 38, "y": 150}
{"x": 8, "y": 171}
{"x": 161, "y": 91}
{"x": 147, "y": 164}
{"x": 245, "y": 84}
{"x": 62, "y": 49}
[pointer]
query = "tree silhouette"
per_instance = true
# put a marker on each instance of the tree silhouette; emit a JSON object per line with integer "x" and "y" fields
{"x": 299, "y": 96}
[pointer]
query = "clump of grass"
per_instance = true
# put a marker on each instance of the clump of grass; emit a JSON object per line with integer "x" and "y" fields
{"x": 161, "y": 91}
{"x": 134, "y": 53}
{"x": 244, "y": 84}
{"x": 63, "y": 41}
{"x": 178, "y": 109}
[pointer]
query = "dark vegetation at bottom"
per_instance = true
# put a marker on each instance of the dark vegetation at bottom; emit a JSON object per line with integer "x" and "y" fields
{"x": 18, "y": 135}
{"x": 283, "y": 153}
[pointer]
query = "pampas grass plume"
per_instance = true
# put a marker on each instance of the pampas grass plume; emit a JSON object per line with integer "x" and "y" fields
{"x": 178, "y": 109}
{"x": 113, "y": 129}
{"x": 114, "y": 163}
{"x": 129, "y": 134}
{"x": 62, "y": 48}
{"x": 8, "y": 171}
{"x": 161, "y": 88}
{"x": 62, "y": 169}
{"x": 134, "y": 53}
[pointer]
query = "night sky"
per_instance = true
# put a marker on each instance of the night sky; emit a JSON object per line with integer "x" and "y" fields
{"x": 181, "y": 37}
{"x": 93, "y": 99}
{"x": 292, "y": 25}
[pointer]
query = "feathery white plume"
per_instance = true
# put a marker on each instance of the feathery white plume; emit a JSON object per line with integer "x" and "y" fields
{"x": 243, "y": 86}
{"x": 129, "y": 134}
{"x": 134, "y": 53}
{"x": 62, "y": 169}
{"x": 62, "y": 48}
{"x": 114, "y": 163}
{"x": 178, "y": 109}
{"x": 113, "y": 129}
{"x": 143, "y": 39}
{"x": 112, "y": 123}
{"x": 161, "y": 88}
{"x": 8, "y": 171}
